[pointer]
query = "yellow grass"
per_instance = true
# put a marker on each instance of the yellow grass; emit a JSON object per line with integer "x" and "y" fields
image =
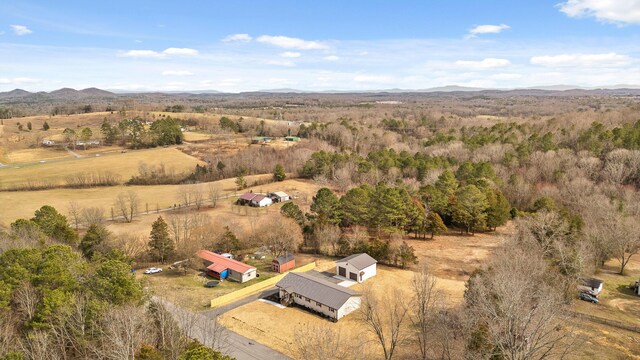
{"x": 123, "y": 164}
{"x": 33, "y": 155}
{"x": 195, "y": 136}
{"x": 22, "y": 204}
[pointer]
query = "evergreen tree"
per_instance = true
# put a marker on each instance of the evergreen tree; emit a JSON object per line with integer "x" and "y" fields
{"x": 160, "y": 242}
{"x": 469, "y": 209}
{"x": 240, "y": 182}
{"x": 94, "y": 240}
{"x": 278, "y": 173}
{"x": 291, "y": 210}
{"x": 406, "y": 255}
{"x": 499, "y": 209}
{"x": 114, "y": 283}
{"x": 434, "y": 224}
{"x": 29, "y": 126}
{"x": 326, "y": 207}
{"x": 354, "y": 206}
{"x": 54, "y": 225}
{"x": 228, "y": 242}
{"x": 45, "y": 126}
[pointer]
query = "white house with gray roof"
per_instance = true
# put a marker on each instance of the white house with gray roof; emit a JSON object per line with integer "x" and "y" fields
{"x": 357, "y": 267}
{"x": 318, "y": 294}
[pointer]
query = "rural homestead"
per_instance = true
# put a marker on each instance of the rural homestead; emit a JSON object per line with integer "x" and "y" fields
{"x": 320, "y": 180}
{"x": 221, "y": 267}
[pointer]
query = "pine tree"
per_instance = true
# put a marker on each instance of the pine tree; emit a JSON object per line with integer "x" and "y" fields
{"x": 469, "y": 209}
{"x": 499, "y": 209}
{"x": 160, "y": 242}
{"x": 435, "y": 225}
{"x": 95, "y": 237}
{"x": 278, "y": 173}
{"x": 326, "y": 207}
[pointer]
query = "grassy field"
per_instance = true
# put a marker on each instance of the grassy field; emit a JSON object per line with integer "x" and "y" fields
{"x": 123, "y": 164}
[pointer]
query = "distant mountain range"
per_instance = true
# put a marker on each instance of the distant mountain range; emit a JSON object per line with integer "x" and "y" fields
{"x": 72, "y": 94}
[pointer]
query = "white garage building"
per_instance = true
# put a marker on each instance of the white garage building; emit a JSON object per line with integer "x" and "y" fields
{"x": 357, "y": 267}
{"x": 317, "y": 294}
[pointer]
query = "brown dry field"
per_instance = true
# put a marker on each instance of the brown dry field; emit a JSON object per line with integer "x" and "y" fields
{"x": 22, "y": 204}
{"x": 237, "y": 217}
{"x": 125, "y": 165}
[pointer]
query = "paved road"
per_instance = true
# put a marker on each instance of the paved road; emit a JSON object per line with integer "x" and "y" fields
{"x": 203, "y": 327}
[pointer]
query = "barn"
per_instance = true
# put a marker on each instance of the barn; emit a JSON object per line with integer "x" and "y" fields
{"x": 317, "y": 294}
{"x": 220, "y": 267}
{"x": 283, "y": 263}
{"x": 357, "y": 267}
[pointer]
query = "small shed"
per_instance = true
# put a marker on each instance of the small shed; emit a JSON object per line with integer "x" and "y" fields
{"x": 283, "y": 263}
{"x": 291, "y": 138}
{"x": 357, "y": 267}
{"x": 279, "y": 196}
{"x": 591, "y": 284}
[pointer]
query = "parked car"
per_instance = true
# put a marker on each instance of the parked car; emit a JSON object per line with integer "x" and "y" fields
{"x": 211, "y": 284}
{"x": 587, "y": 297}
{"x": 153, "y": 270}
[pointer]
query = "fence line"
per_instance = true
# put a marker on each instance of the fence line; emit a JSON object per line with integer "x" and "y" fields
{"x": 252, "y": 289}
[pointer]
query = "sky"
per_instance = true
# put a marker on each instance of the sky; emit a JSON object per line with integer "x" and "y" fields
{"x": 242, "y": 45}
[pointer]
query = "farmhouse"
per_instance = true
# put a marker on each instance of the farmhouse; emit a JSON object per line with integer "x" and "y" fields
{"x": 220, "y": 267}
{"x": 253, "y": 199}
{"x": 279, "y": 196}
{"x": 317, "y": 294}
{"x": 357, "y": 267}
{"x": 591, "y": 284}
{"x": 283, "y": 263}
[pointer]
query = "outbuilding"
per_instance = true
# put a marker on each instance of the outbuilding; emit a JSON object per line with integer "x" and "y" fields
{"x": 279, "y": 196}
{"x": 317, "y": 294}
{"x": 260, "y": 201}
{"x": 283, "y": 263}
{"x": 592, "y": 285}
{"x": 357, "y": 267}
{"x": 220, "y": 267}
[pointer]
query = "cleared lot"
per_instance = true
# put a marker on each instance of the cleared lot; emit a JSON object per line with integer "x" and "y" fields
{"x": 264, "y": 322}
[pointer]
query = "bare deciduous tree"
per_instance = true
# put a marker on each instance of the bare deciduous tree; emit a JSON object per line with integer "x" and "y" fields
{"x": 424, "y": 307}
{"x": 214, "y": 194}
{"x": 326, "y": 343}
{"x": 384, "y": 316}
{"x": 92, "y": 216}
{"x": 75, "y": 212}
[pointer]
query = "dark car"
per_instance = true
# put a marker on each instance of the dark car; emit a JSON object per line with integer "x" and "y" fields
{"x": 211, "y": 284}
{"x": 587, "y": 297}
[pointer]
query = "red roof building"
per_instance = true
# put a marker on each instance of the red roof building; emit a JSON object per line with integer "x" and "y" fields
{"x": 221, "y": 267}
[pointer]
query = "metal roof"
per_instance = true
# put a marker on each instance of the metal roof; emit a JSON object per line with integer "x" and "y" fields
{"x": 316, "y": 289}
{"x": 221, "y": 263}
{"x": 283, "y": 259}
{"x": 592, "y": 282}
{"x": 359, "y": 261}
{"x": 248, "y": 196}
{"x": 280, "y": 193}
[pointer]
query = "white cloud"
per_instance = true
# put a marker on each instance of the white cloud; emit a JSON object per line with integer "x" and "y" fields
{"x": 19, "y": 81}
{"x": 177, "y": 73}
{"x": 487, "y": 29}
{"x": 331, "y": 58}
{"x": 181, "y": 51}
{"x": 290, "y": 54}
{"x": 238, "y": 37}
{"x": 142, "y": 54}
{"x": 488, "y": 63}
{"x": 156, "y": 54}
{"x": 21, "y": 30}
{"x": 615, "y": 11}
{"x": 582, "y": 60}
{"x": 291, "y": 43}
{"x": 286, "y": 63}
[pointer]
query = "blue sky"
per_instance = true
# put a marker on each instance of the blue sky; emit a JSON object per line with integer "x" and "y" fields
{"x": 317, "y": 45}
